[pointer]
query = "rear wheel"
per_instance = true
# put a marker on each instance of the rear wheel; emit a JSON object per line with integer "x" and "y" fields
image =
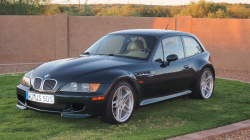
{"x": 205, "y": 85}
{"x": 120, "y": 104}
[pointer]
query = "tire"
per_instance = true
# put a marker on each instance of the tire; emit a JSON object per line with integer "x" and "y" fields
{"x": 120, "y": 104}
{"x": 205, "y": 85}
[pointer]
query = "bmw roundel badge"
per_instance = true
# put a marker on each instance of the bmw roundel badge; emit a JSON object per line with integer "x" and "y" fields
{"x": 46, "y": 76}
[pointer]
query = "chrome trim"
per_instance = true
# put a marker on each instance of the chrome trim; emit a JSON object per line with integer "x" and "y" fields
{"x": 34, "y": 82}
{"x": 52, "y": 88}
{"x": 143, "y": 74}
{"x": 153, "y": 100}
{"x": 42, "y": 84}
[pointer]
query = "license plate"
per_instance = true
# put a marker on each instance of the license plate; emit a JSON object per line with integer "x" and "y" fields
{"x": 42, "y": 98}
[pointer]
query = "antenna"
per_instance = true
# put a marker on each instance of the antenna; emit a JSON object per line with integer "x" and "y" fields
{"x": 168, "y": 24}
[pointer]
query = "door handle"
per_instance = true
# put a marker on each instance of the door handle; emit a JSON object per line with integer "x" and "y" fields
{"x": 186, "y": 67}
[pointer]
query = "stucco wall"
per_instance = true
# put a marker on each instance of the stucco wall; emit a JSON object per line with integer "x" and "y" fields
{"x": 84, "y": 31}
{"x": 28, "y": 39}
{"x": 228, "y": 41}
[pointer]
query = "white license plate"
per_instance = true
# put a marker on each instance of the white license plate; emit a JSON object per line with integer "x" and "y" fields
{"x": 42, "y": 98}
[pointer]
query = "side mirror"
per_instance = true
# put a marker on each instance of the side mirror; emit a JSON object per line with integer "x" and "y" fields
{"x": 171, "y": 57}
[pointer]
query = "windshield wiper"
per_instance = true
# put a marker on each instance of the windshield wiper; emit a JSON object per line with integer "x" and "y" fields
{"x": 108, "y": 54}
{"x": 85, "y": 53}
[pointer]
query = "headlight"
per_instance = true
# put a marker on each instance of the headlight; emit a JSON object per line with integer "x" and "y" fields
{"x": 85, "y": 87}
{"x": 26, "y": 81}
{"x": 81, "y": 87}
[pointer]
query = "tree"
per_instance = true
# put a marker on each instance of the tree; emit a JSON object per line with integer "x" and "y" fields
{"x": 174, "y": 11}
{"x": 23, "y": 7}
{"x": 238, "y": 11}
{"x": 202, "y": 9}
{"x": 218, "y": 14}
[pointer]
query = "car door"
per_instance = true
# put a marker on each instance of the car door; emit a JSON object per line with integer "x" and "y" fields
{"x": 174, "y": 77}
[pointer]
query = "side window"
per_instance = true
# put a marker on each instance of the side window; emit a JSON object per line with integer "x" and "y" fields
{"x": 158, "y": 54}
{"x": 173, "y": 45}
{"x": 192, "y": 47}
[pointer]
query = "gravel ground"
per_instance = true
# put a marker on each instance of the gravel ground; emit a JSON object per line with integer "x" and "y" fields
{"x": 236, "y": 135}
{"x": 233, "y": 74}
{"x": 18, "y": 68}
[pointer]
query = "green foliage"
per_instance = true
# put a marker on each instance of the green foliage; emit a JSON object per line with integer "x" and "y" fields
{"x": 127, "y": 10}
{"x": 200, "y": 9}
{"x": 203, "y": 9}
{"x": 238, "y": 11}
{"x": 22, "y": 7}
{"x": 218, "y": 14}
{"x": 174, "y": 11}
{"x": 158, "y": 11}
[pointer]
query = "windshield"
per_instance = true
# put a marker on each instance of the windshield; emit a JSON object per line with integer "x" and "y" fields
{"x": 123, "y": 45}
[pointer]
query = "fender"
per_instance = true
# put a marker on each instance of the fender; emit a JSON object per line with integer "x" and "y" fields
{"x": 204, "y": 62}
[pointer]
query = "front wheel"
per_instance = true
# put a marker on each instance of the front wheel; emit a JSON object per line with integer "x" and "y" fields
{"x": 120, "y": 104}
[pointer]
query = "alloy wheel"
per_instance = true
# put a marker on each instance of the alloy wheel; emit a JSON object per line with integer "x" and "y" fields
{"x": 122, "y": 103}
{"x": 207, "y": 84}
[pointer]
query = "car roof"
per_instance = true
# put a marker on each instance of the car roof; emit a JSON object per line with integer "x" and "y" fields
{"x": 151, "y": 32}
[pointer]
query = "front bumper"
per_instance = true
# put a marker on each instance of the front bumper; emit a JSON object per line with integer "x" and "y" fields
{"x": 72, "y": 105}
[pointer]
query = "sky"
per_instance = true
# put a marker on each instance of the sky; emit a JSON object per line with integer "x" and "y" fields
{"x": 147, "y": 2}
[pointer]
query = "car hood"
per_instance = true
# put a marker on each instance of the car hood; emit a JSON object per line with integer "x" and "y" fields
{"x": 72, "y": 68}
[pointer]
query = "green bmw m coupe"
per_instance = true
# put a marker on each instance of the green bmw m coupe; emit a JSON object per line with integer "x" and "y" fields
{"x": 120, "y": 71}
